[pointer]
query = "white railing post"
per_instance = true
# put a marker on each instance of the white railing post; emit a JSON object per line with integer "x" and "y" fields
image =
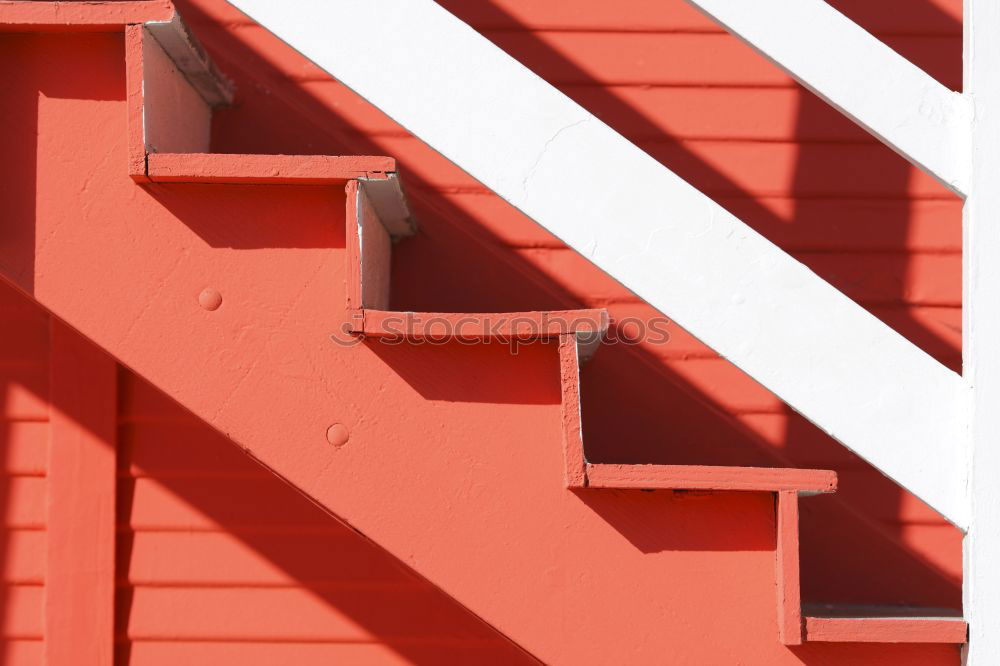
{"x": 981, "y": 326}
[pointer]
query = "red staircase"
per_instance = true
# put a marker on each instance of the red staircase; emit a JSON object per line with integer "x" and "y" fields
{"x": 579, "y": 333}
{"x": 226, "y": 298}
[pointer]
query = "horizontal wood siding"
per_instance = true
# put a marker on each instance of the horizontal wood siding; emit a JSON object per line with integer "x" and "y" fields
{"x": 217, "y": 560}
{"x": 221, "y": 562}
{"x": 24, "y": 437}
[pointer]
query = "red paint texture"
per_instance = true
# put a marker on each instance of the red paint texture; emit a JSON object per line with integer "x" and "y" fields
{"x": 77, "y": 16}
{"x": 81, "y": 486}
{"x": 264, "y": 169}
{"x": 454, "y": 463}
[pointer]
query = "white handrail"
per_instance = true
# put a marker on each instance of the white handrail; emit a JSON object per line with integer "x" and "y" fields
{"x": 869, "y": 82}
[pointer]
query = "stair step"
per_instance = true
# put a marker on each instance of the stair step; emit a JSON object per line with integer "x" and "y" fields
{"x": 82, "y": 16}
{"x": 482, "y": 325}
{"x": 704, "y": 477}
{"x": 882, "y": 624}
{"x": 265, "y": 169}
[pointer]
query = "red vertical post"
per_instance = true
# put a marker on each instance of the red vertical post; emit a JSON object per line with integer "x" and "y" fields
{"x": 80, "y": 565}
{"x": 572, "y": 427}
{"x": 787, "y": 565}
{"x": 134, "y": 99}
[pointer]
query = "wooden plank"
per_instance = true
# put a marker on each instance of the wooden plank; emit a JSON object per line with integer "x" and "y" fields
{"x": 24, "y": 502}
{"x": 24, "y": 558}
{"x": 483, "y": 325}
{"x": 24, "y": 448}
{"x": 175, "y": 116}
{"x": 704, "y": 477}
{"x": 22, "y": 616}
{"x": 224, "y": 559}
{"x": 91, "y": 16}
{"x": 155, "y": 507}
{"x": 268, "y": 653}
{"x": 572, "y": 421}
{"x": 375, "y": 247}
{"x": 787, "y": 569}
{"x": 191, "y": 59}
{"x": 261, "y": 169}
{"x": 900, "y": 629}
{"x": 352, "y": 255}
{"x": 135, "y": 123}
{"x": 220, "y": 613}
{"x": 80, "y": 565}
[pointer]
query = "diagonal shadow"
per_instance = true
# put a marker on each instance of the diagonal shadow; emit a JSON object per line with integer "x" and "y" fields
{"x": 162, "y": 444}
{"x": 309, "y": 548}
{"x": 37, "y": 74}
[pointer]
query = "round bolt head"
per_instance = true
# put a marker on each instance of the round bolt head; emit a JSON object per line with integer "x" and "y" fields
{"x": 337, "y": 435}
{"x": 210, "y": 299}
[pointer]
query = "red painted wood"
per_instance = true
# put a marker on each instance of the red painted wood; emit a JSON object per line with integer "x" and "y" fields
{"x": 264, "y": 169}
{"x": 23, "y": 448}
{"x": 352, "y": 241}
{"x": 572, "y": 427}
{"x": 787, "y": 568}
{"x": 219, "y": 559}
{"x": 656, "y": 16}
{"x": 24, "y": 613}
{"x": 24, "y": 441}
{"x": 481, "y": 325}
{"x": 80, "y": 565}
{"x": 927, "y": 629}
{"x": 81, "y": 16}
{"x": 134, "y": 103}
{"x": 25, "y": 502}
{"x": 695, "y": 477}
{"x": 212, "y": 653}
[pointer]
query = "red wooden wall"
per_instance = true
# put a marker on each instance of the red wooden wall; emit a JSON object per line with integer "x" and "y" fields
{"x": 221, "y": 562}
{"x": 24, "y": 432}
{"x": 217, "y": 560}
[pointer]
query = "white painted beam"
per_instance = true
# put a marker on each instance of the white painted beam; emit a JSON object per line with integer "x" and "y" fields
{"x": 674, "y": 247}
{"x": 981, "y": 332}
{"x": 873, "y": 85}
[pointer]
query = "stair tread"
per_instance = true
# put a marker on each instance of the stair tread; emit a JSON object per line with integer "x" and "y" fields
{"x": 542, "y": 323}
{"x": 82, "y": 15}
{"x": 710, "y": 477}
{"x": 866, "y": 612}
{"x": 847, "y": 623}
{"x": 265, "y": 169}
